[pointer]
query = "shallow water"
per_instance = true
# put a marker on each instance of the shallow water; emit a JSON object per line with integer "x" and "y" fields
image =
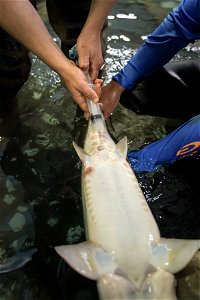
{"x": 40, "y": 189}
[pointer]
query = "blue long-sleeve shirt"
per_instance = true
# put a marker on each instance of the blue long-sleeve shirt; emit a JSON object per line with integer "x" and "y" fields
{"x": 178, "y": 29}
{"x": 182, "y": 142}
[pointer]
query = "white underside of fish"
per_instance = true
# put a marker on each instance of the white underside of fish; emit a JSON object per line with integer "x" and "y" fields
{"x": 124, "y": 252}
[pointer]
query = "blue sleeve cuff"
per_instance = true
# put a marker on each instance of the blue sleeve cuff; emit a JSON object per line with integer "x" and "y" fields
{"x": 128, "y": 76}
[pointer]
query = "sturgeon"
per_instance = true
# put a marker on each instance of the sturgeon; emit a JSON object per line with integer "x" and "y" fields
{"x": 124, "y": 251}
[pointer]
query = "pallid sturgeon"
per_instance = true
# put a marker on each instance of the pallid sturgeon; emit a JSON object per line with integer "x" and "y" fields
{"x": 124, "y": 251}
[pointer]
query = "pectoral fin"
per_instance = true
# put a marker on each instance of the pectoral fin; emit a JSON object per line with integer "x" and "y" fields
{"x": 84, "y": 157}
{"x": 17, "y": 261}
{"x": 122, "y": 146}
{"x": 174, "y": 254}
{"x": 87, "y": 259}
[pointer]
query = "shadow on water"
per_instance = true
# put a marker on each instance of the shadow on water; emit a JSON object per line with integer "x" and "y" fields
{"x": 40, "y": 190}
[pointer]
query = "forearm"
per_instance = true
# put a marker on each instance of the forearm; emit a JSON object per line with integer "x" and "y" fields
{"x": 176, "y": 31}
{"x": 89, "y": 43}
{"x": 20, "y": 19}
{"x": 99, "y": 11}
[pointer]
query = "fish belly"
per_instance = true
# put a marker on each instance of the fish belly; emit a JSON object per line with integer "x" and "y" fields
{"x": 118, "y": 217}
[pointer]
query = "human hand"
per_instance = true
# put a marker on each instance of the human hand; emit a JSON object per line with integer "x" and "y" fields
{"x": 77, "y": 84}
{"x": 90, "y": 54}
{"x": 110, "y": 97}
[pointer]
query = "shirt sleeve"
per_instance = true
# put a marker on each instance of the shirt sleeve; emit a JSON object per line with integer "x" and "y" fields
{"x": 179, "y": 28}
{"x": 180, "y": 143}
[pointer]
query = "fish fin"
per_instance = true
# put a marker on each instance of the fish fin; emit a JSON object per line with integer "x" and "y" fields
{"x": 17, "y": 261}
{"x": 158, "y": 285}
{"x": 122, "y": 146}
{"x": 111, "y": 286}
{"x": 83, "y": 155}
{"x": 87, "y": 259}
{"x": 174, "y": 254}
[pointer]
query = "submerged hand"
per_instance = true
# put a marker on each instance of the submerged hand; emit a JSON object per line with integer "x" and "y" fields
{"x": 110, "y": 97}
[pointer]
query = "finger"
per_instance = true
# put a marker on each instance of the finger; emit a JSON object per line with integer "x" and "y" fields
{"x": 83, "y": 63}
{"x": 98, "y": 89}
{"x": 91, "y": 94}
{"x": 87, "y": 115}
{"x": 94, "y": 69}
{"x": 98, "y": 81}
{"x": 93, "y": 74}
{"x": 106, "y": 111}
{"x": 81, "y": 102}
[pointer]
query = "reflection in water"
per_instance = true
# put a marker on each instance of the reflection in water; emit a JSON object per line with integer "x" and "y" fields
{"x": 40, "y": 189}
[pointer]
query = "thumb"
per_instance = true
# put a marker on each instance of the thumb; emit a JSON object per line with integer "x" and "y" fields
{"x": 90, "y": 94}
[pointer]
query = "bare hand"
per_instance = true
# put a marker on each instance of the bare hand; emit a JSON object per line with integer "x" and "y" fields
{"x": 77, "y": 85}
{"x": 90, "y": 54}
{"x": 110, "y": 97}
